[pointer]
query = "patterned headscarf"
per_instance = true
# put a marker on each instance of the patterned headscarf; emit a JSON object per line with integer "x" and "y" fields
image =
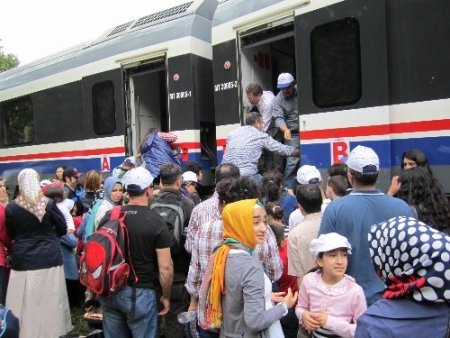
{"x": 238, "y": 232}
{"x": 30, "y": 197}
{"x": 412, "y": 258}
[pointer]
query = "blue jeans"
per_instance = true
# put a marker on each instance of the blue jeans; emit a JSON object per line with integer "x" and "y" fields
{"x": 290, "y": 172}
{"x": 130, "y": 313}
{"x": 207, "y": 334}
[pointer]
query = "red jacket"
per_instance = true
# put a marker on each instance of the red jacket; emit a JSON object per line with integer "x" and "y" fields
{"x": 5, "y": 242}
{"x": 286, "y": 281}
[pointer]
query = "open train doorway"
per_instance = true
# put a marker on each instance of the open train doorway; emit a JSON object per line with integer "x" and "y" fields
{"x": 147, "y": 107}
{"x": 265, "y": 52}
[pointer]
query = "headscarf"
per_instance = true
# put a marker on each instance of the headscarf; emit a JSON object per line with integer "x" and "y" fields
{"x": 238, "y": 232}
{"x": 30, "y": 197}
{"x": 412, "y": 258}
{"x": 110, "y": 182}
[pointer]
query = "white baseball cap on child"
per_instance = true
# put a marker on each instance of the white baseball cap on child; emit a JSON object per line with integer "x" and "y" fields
{"x": 189, "y": 176}
{"x": 44, "y": 183}
{"x": 139, "y": 177}
{"x": 328, "y": 242}
{"x": 364, "y": 160}
{"x": 284, "y": 80}
{"x": 308, "y": 174}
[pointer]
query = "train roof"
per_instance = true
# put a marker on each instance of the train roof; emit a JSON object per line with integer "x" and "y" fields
{"x": 228, "y": 10}
{"x": 192, "y": 18}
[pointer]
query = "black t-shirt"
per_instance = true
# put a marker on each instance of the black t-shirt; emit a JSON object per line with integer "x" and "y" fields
{"x": 147, "y": 232}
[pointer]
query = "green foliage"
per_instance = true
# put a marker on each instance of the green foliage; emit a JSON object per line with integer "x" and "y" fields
{"x": 80, "y": 326}
{"x": 7, "y": 61}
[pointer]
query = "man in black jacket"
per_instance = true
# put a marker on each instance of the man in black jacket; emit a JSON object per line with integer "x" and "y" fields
{"x": 176, "y": 209}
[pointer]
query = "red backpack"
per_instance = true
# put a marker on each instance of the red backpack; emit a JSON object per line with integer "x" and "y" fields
{"x": 103, "y": 265}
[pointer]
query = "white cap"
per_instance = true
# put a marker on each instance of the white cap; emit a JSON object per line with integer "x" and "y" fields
{"x": 189, "y": 176}
{"x": 308, "y": 174}
{"x": 284, "y": 80}
{"x": 130, "y": 160}
{"x": 364, "y": 160}
{"x": 139, "y": 177}
{"x": 44, "y": 183}
{"x": 68, "y": 203}
{"x": 328, "y": 242}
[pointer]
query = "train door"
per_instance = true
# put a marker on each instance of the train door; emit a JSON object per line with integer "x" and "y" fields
{"x": 146, "y": 100}
{"x": 265, "y": 52}
{"x": 342, "y": 71}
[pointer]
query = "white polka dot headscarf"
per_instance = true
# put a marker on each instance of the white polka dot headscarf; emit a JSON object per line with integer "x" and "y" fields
{"x": 30, "y": 197}
{"x": 412, "y": 258}
{"x": 29, "y": 185}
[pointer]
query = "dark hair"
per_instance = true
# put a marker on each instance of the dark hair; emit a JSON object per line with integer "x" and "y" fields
{"x": 254, "y": 88}
{"x": 422, "y": 191}
{"x": 252, "y": 119}
{"x": 63, "y": 167}
{"x": 16, "y": 192}
{"x": 418, "y": 157}
{"x": 79, "y": 208}
{"x": 54, "y": 192}
{"x": 275, "y": 210}
{"x": 364, "y": 179}
{"x": 278, "y": 231}
{"x": 271, "y": 186}
{"x": 238, "y": 189}
{"x": 134, "y": 190}
{"x": 339, "y": 184}
{"x": 338, "y": 169}
{"x": 192, "y": 166}
{"x": 226, "y": 170}
{"x": 169, "y": 173}
{"x": 309, "y": 197}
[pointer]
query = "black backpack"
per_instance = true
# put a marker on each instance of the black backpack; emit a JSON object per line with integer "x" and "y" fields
{"x": 170, "y": 207}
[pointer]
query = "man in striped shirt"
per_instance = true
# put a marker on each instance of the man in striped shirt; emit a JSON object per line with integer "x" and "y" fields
{"x": 245, "y": 145}
{"x": 209, "y": 209}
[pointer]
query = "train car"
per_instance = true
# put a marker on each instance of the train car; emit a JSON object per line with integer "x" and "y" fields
{"x": 375, "y": 73}
{"x": 89, "y": 106}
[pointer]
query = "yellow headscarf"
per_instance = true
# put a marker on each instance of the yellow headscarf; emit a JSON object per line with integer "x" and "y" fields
{"x": 237, "y": 229}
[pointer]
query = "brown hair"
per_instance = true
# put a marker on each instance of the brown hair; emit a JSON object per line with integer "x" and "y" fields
{"x": 92, "y": 181}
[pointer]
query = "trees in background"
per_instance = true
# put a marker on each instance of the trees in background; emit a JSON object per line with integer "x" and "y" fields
{"x": 7, "y": 61}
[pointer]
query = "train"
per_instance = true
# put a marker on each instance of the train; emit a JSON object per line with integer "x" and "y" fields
{"x": 370, "y": 72}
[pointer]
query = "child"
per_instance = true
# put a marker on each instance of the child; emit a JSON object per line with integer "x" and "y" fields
{"x": 68, "y": 241}
{"x": 330, "y": 301}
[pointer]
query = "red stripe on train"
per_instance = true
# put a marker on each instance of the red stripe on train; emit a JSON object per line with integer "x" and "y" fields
{"x": 72, "y": 153}
{"x": 188, "y": 145}
{"x": 87, "y": 152}
{"x": 384, "y": 129}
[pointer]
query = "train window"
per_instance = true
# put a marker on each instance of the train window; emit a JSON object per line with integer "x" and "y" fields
{"x": 17, "y": 121}
{"x": 103, "y": 107}
{"x": 336, "y": 63}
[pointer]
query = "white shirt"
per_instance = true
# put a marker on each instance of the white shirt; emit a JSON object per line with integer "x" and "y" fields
{"x": 265, "y": 108}
{"x": 296, "y": 216}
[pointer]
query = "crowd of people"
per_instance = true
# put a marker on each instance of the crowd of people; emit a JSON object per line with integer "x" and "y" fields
{"x": 274, "y": 252}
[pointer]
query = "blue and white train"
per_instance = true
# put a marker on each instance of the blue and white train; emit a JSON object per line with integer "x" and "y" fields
{"x": 369, "y": 72}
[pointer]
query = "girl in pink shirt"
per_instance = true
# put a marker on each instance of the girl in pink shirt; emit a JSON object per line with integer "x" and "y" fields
{"x": 329, "y": 301}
